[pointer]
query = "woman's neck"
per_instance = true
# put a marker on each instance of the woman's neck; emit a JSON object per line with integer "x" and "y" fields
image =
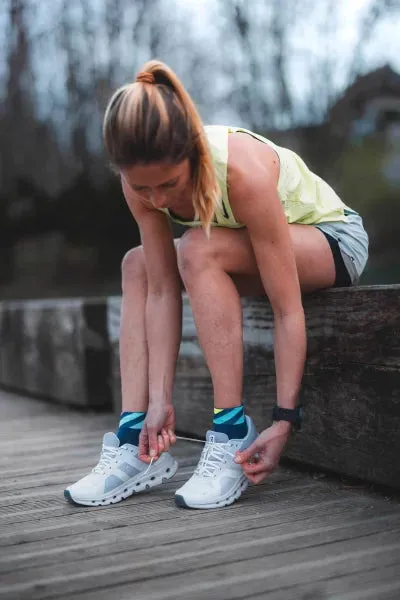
{"x": 184, "y": 206}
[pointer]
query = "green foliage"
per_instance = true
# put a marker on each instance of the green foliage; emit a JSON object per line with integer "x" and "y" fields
{"x": 362, "y": 182}
{"x": 365, "y": 188}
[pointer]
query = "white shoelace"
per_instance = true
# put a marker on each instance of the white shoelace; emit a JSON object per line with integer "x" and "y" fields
{"x": 149, "y": 467}
{"x": 212, "y": 458}
{"x": 108, "y": 454}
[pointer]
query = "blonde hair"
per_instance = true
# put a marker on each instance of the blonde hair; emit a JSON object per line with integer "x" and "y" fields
{"x": 155, "y": 120}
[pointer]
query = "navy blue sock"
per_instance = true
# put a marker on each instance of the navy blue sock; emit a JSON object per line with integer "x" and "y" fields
{"x": 130, "y": 426}
{"x": 230, "y": 421}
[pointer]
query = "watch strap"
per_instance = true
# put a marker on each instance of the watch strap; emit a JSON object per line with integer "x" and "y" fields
{"x": 293, "y": 415}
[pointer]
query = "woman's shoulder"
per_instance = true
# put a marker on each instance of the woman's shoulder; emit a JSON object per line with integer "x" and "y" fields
{"x": 220, "y": 137}
{"x": 240, "y": 155}
{"x": 216, "y": 128}
{"x": 217, "y": 138}
{"x": 216, "y": 134}
{"x": 249, "y": 156}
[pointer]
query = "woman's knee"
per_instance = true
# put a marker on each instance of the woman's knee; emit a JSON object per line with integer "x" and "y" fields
{"x": 133, "y": 267}
{"x": 193, "y": 252}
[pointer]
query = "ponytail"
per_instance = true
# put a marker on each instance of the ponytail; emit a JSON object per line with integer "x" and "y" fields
{"x": 155, "y": 120}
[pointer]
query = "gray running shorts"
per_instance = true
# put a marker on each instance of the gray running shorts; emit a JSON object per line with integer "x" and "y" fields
{"x": 352, "y": 240}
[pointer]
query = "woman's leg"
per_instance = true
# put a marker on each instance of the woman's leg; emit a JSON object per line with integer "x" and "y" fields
{"x": 216, "y": 272}
{"x": 133, "y": 348}
{"x": 119, "y": 472}
{"x": 133, "y": 342}
{"x": 134, "y": 364}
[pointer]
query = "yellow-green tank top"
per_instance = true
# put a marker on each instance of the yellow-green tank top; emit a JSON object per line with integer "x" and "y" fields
{"x": 305, "y": 197}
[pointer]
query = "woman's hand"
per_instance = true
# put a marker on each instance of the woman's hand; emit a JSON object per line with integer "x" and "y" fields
{"x": 158, "y": 432}
{"x": 262, "y": 457}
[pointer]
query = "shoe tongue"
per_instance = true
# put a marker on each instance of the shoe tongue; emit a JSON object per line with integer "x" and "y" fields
{"x": 216, "y": 436}
{"x": 110, "y": 439}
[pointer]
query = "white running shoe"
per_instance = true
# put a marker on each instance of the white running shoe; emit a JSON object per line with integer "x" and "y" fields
{"x": 119, "y": 474}
{"x": 217, "y": 481}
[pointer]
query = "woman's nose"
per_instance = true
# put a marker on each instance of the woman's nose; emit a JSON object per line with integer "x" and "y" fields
{"x": 159, "y": 199}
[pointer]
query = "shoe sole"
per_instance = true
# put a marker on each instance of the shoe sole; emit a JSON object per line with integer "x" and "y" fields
{"x": 225, "y": 501}
{"x": 127, "y": 489}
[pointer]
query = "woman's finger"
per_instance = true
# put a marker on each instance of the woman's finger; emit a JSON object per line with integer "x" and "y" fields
{"x": 250, "y": 452}
{"x": 258, "y": 477}
{"x": 161, "y": 447}
{"x": 257, "y": 467}
{"x": 153, "y": 445}
{"x": 166, "y": 440}
{"x": 143, "y": 443}
{"x": 145, "y": 458}
{"x": 172, "y": 436}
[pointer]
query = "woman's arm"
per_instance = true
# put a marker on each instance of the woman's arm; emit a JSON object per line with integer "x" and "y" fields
{"x": 253, "y": 175}
{"x": 255, "y": 203}
{"x": 163, "y": 307}
{"x": 164, "y": 304}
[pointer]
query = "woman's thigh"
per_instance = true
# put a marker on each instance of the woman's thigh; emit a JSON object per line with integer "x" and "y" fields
{"x": 233, "y": 251}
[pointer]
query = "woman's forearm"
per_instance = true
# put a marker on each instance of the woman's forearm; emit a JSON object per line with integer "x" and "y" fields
{"x": 164, "y": 331}
{"x": 290, "y": 354}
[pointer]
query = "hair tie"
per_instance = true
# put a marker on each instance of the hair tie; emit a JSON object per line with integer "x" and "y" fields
{"x": 145, "y": 77}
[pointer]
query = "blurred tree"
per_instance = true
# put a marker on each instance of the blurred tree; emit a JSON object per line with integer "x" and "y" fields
{"x": 262, "y": 53}
{"x": 375, "y": 12}
{"x": 16, "y": 121}
{"x": 17, "y": 104}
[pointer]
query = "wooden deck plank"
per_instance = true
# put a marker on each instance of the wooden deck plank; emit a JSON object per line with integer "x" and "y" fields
{"x": 98, "y": 543}
{"x": 73, "y": 520}
{"x": 190, "y": 578}
{"x": 296, "y": 534}
{"x": 176, "y": 529}
{"x": 374, "y": 583}
{"x": 184, "y": 556}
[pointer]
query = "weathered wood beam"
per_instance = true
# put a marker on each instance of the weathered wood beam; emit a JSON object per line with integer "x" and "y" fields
{"x": 57, "y": 349}
{"x": 67, "y": 350}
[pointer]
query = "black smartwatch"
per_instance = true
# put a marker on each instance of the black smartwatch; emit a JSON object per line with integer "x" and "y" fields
{"x": 293, "y": 415}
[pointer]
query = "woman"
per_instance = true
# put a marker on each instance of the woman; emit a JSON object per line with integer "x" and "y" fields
{"x": 280, "y": 231}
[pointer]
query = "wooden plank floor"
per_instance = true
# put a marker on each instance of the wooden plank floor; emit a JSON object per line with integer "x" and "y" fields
{"x": 296, "y": 537}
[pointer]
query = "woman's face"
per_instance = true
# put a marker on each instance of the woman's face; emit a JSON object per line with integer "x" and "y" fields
{"x": 160, "y": 185}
